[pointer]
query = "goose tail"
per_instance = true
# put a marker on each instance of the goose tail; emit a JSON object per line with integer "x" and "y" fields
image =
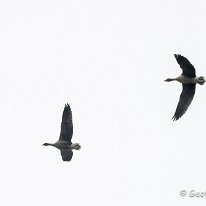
{"x": 201, "y": 80}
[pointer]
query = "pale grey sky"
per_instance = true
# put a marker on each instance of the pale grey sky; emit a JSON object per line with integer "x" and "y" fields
{"x": 108, "y": 59}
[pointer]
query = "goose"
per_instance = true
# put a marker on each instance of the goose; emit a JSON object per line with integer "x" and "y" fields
{"x": 64, "y": 143}
{"x": 189, "y": 80}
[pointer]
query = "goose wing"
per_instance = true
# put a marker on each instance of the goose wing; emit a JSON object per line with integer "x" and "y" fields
{"x": 187, "y": 68}
{"x": 66, "y": 155}
{"x": 66, "y": 125}
{"x": 188, "y": 92}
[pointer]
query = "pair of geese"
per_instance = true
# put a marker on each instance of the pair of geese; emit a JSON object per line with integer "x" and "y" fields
{"x": 187, "y": 78}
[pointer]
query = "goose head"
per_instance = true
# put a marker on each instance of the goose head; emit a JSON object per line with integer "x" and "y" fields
{"x": 46, "y": 144}
{"x": 169, "y": 80}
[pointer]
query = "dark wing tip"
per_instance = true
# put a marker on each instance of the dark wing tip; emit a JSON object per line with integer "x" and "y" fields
{"x": 66, "y": 105}
{"x": 175, "y": 118}
{"x": 67, "y": 109}
{"x": 177, "y": 56}
{"x": 187, "y": 68}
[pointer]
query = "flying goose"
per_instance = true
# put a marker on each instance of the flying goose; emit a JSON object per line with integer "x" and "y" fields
{"x": 64, "y": 143}
{"x": 189, "y": 80}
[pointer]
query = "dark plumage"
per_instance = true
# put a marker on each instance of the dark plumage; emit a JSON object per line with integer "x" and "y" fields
{"x": 189, "y": 81}
{"x": 66, "y": 155}
{"x": 64, "y": 143}
{"x": 188, "y": 69}
{"x": 186, "y": 97}
{"x": 66, "y": 124}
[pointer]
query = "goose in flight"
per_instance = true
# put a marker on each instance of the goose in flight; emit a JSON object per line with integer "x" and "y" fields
{"x": 189, "y": 80}
{"x": 64, "y": 143}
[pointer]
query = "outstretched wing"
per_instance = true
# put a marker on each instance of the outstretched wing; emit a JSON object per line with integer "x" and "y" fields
{"x": 66, "y": 155}
{"x": 186, "y": 97}
{"x": 187, "y": 68}
{"x": 66, "y": 125}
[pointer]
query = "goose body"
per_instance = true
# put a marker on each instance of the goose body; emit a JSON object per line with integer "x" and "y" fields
{"x": 188, "y": 80}
{"x": 64, "y": 143}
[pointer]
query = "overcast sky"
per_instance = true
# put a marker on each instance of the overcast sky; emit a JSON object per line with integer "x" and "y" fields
{"x": 108, "y": 59}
